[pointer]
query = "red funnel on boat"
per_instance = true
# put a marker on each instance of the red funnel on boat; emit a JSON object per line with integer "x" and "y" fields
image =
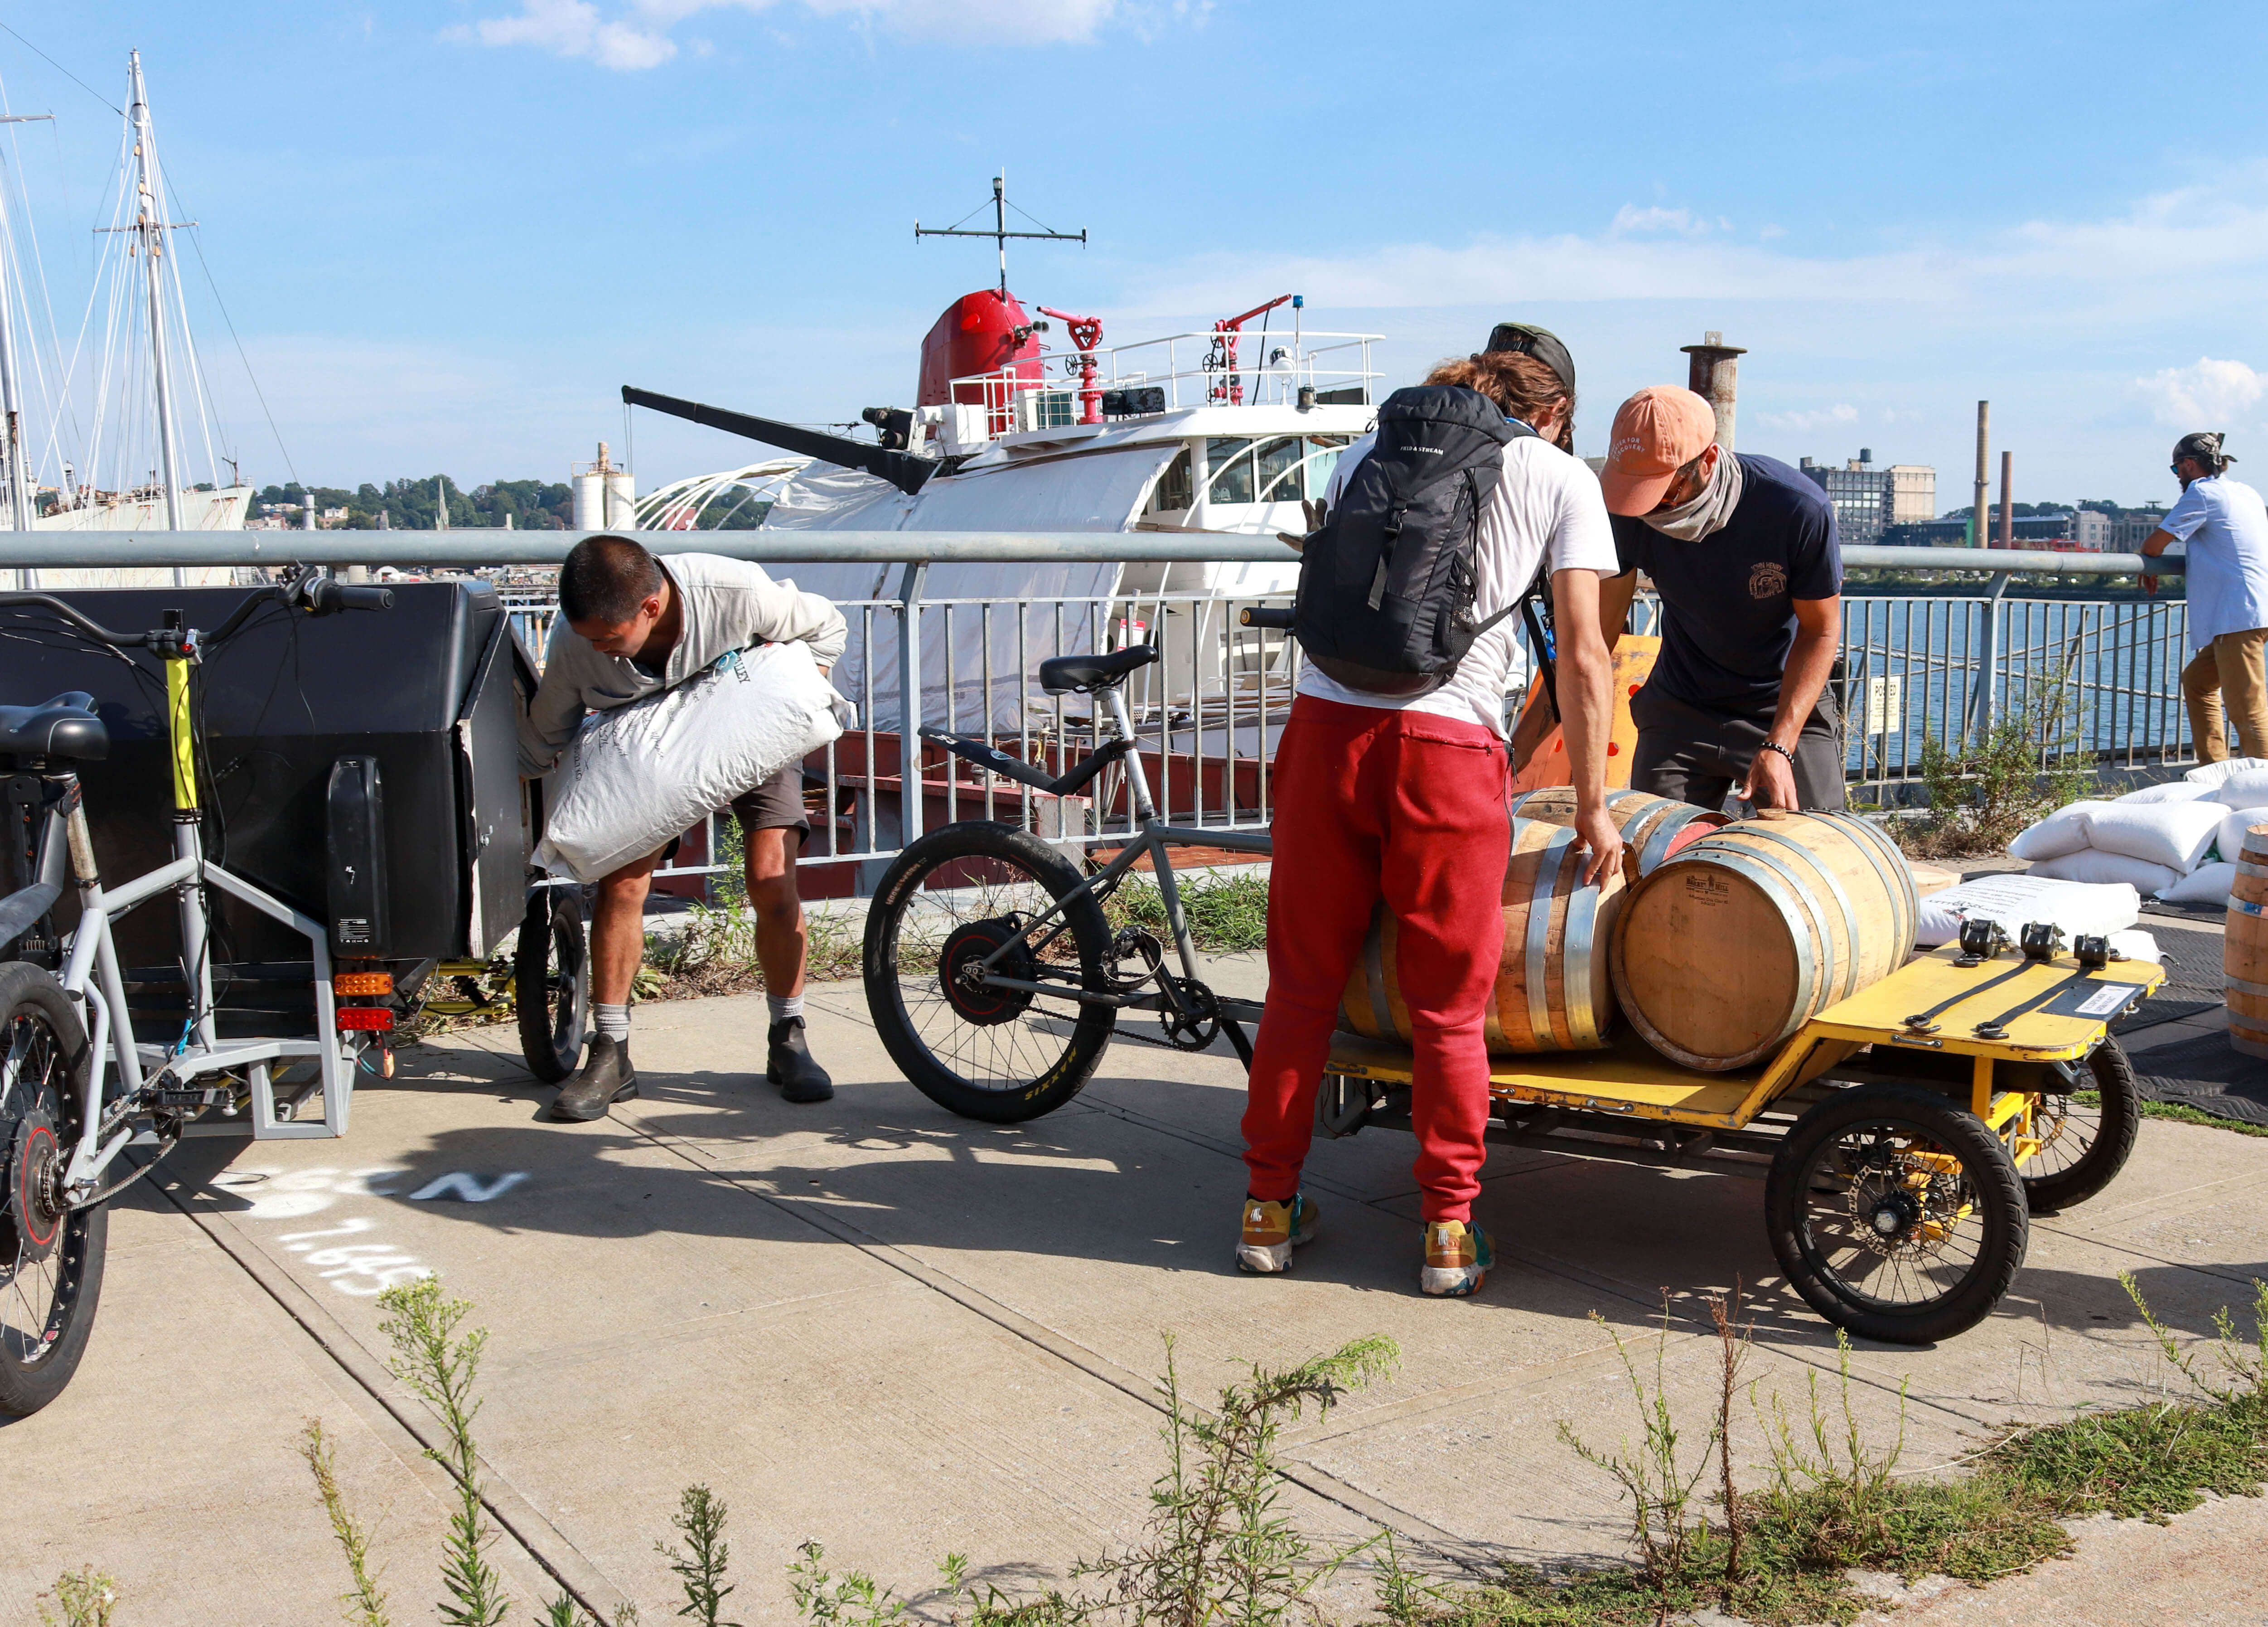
{"x": 980, "y": 333}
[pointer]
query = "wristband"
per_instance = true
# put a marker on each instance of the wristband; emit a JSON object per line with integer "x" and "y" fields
{"x": 1782, "y": 750}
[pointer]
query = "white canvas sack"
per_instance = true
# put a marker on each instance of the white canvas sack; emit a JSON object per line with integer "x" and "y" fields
{"x": 2175, "y": 834}
{"x": 2248, "y": 790}
{"x": 2061, "y": 832}
{"x": 2231, "y": 839}
{"x": 2013, "y": 900}
{"x": 2214, "y": 773}
{"x": 637, "y": 775}
{"x": 2172, "y": 791}
{"x": 2106, "y": 869}
{"x": 2207, "y": 884}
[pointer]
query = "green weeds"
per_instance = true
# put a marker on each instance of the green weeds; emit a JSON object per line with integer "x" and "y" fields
{"x": 1981, "y": 795}
{"x": 1226, "y": 908}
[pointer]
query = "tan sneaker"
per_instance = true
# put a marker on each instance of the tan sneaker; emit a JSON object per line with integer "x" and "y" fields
{"x": 1458, "y": 1255}
{"x": 1273, "y": 1231}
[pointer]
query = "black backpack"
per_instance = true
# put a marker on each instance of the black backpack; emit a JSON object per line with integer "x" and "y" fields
{"x": 1386, "y": 584}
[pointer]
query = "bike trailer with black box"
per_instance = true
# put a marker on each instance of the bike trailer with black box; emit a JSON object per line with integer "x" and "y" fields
{"x": 362, "y": 768}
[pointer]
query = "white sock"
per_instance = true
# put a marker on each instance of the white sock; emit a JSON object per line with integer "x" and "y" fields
{"x": 614, "y": 1020}
{"x": 784, "y": 1007}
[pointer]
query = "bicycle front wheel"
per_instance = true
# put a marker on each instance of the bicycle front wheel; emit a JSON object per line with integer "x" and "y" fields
{"x": 985, "y": 1052}
{"x": 50, "y": 1255}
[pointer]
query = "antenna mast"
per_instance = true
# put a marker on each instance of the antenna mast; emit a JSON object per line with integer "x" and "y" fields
{"x": 1000, "y": 232}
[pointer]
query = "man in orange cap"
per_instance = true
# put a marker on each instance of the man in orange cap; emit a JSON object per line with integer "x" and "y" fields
{"x": 1744, "y": 553}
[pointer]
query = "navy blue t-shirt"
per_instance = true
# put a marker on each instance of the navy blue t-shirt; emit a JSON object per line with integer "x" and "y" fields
{"x": 1728, "y": 612}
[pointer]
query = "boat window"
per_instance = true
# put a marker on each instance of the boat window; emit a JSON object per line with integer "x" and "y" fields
{"x": 1174, "y": 491}
{"x": 1232, "y": 470}
{"x": 1280, "y": 463}
{"x": 1322, "y": 458}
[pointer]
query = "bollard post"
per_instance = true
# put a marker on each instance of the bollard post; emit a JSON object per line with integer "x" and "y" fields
{"x": 909, "y": 692}
{"x": 1982, "y": 704}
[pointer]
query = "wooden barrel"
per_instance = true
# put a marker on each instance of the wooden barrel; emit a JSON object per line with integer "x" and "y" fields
{"x": 1748, "y": 934}
{"x": 1653, "y": 828}
{"x": 1552, "y": 993}
{"x": 2245, "y": 951}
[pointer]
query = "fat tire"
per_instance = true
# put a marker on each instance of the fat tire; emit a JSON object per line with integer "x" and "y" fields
{"x": 2114, "y": 1138}
{"x": 550, "y": 1054}
{"x": 25, "y": 1388}
{"x": 2001, "y": 1211}
{"x": 901, "y": 886}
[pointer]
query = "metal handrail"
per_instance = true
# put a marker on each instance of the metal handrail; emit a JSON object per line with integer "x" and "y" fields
{"x": 113, "y": 549}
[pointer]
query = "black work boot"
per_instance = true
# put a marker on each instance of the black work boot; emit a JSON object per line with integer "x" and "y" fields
{"x": 800, "y": 1079}
{"x": 606, "y": 1078}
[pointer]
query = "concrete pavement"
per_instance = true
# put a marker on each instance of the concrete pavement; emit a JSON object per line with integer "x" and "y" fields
{"x": 902, "y": 1333}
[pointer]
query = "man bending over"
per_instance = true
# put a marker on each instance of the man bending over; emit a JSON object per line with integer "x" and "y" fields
{"x": 632, "y": 625}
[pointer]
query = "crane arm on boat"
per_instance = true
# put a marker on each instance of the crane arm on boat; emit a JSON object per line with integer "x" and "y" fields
{"x": 902, "y": 469}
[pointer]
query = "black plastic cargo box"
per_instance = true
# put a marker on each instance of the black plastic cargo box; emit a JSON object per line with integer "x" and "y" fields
{"x": 420, "y": 700}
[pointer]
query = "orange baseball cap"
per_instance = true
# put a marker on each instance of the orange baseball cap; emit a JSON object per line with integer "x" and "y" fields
{"x": 1657, "y": 432}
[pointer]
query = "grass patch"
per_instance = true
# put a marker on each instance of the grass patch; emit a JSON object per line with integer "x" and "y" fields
{"x": 1226, "y": 909}
{"x": 2179, "y": 1114}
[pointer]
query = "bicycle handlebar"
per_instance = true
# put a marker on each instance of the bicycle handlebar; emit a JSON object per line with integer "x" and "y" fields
{"x": 1266, "y": 615}
{"x": 93, "y": 629}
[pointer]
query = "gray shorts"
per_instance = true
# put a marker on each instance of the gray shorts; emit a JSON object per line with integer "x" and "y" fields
{"x": 1691, "y": 754}
{"x": 776, "y": 804}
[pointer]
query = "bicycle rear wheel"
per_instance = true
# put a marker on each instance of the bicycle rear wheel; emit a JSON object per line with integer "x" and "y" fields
{"x": 551, "y": 983}
{"x": 50, "y": 1256}
{"x": 953, "y": 898}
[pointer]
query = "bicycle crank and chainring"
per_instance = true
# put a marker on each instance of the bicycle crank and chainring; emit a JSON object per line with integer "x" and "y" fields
{"x": 34, "y": 1211}
{"x": 1189, "y": 1012}
{"x": 962, "y": 971}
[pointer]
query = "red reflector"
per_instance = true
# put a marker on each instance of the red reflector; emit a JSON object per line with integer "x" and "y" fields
{"x": 364, "y": 1017}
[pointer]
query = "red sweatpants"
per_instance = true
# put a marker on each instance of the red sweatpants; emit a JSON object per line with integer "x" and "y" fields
{"x": 1410, "y": 807}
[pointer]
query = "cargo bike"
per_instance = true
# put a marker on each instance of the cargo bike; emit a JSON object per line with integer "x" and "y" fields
{"x": 1907, "y": 1116}
{"x": 334, "y": 810}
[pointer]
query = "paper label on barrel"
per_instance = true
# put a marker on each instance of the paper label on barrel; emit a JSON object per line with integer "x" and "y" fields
{"x": 1708, "y": 886}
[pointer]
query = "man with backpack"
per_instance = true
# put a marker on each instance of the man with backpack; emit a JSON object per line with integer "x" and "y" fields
{"x": 1744, "y": 553}
{"x": 1391, "y": 778}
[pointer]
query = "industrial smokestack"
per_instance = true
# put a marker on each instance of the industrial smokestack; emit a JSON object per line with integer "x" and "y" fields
{"x": 2007, "y": 503}
{"x": 1978, "y": 536}
{"x": 1713, "y": 373}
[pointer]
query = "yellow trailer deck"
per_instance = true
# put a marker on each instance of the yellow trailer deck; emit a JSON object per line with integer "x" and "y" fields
{"x": 1906, "y": 1135}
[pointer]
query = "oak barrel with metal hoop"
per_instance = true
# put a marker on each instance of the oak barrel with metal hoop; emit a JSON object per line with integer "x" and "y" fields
{"x": 1751, "y": 931}
{"x": 1654, "y": 827}
{"x": 2245, "y": 951}
{"x": 1552, "y": 993}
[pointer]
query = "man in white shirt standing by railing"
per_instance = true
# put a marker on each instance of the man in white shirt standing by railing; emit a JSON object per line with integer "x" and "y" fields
{"x": 2226, "y": 527}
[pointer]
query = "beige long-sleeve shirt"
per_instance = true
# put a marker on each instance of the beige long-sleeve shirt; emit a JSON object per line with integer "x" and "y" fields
{"x": 728, "y": 604}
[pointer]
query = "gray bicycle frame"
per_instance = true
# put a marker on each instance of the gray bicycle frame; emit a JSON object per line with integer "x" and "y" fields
{"x": 1155, "y": 839}
{"x": 92, "y": 982}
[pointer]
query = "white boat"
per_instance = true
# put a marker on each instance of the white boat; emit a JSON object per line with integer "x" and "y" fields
{"x": 137, "y": 477}
{"x": 1225, "y": 430}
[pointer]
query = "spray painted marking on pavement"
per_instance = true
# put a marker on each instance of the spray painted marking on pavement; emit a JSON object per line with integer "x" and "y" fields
{"x": 364, "y": 1268}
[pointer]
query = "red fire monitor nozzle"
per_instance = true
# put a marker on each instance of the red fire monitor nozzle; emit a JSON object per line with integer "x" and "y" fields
{"x": 1086, "y": 333}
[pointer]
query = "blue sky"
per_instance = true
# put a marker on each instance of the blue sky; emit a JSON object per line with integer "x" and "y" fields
{"x": 448, "y": 231}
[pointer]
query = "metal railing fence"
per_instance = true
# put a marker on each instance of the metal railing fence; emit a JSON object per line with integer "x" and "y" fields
{"x": 1943, "y": 665}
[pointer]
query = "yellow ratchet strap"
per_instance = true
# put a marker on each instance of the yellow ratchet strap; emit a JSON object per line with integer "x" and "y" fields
{"x": 177, "y": 724}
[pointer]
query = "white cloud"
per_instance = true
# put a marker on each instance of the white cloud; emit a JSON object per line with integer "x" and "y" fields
{"x": 636, "y": 34}
{"x": 1841, "y": 412}
{"x": 2205, "y": 394}
{"x": 1630, "y": 220}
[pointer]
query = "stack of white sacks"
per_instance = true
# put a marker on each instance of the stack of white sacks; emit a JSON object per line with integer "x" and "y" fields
{"x": 2177, "y": 843}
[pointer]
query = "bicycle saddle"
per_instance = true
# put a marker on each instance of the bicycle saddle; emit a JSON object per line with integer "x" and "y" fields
{"x": 65, "y": 726}
{"x": 1078, "y": 674}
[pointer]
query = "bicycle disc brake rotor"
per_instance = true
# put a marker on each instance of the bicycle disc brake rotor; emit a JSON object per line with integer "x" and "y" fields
{"x": 1901, "y": 1209}
{"x": 34, "y": 1213}
{"x": 1198, "y": 1026}
{"x": 962, "y": 970}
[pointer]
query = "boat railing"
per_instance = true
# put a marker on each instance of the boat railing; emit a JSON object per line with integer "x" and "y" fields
{"x": 1190, "y": 369}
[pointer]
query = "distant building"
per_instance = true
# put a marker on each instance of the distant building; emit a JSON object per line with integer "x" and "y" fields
{"x": 2130, "y": 528}
{"x": 1863, "y": 496}
{"x": 1927, "y": 533}
{"x": 1914, "y": 493}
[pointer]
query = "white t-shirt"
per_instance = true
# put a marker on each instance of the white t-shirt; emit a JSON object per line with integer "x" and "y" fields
{"x": 2226, "y": 529}
{"x": 1546, "y": 498}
